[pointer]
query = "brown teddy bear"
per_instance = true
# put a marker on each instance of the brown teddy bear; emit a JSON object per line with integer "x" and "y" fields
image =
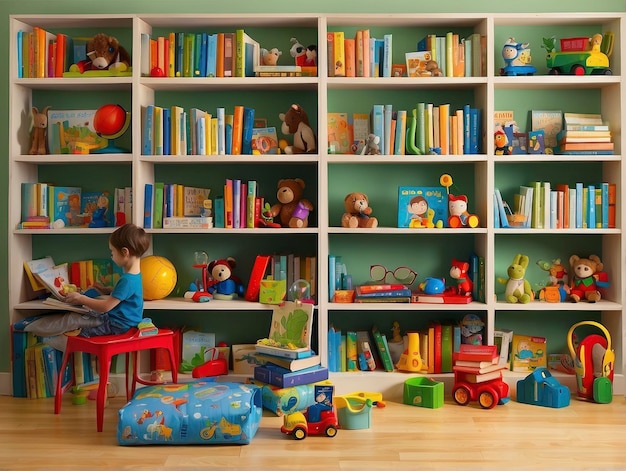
{"x": 103, "y": 52}
{"x": 588, "y": 277}
{"x": 357, "y": 212}
{"x": 296, "y": 122}
{"x": 291, "y": 209}
{"x": 38, "y": 138}
{"x": 433, "y": 68}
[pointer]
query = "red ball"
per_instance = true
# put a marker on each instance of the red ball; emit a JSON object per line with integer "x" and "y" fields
{"x": 157, "y": 72}
{"x": 109, "y": 119}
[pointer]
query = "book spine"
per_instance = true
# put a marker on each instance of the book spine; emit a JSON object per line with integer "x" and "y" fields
{"x": 147, "y": 211}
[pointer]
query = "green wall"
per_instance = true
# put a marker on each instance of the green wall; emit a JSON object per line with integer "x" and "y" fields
{"x": 8, "y": 7}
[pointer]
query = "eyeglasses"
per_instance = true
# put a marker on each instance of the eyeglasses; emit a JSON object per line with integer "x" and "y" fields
{"x": 404, "y": 275}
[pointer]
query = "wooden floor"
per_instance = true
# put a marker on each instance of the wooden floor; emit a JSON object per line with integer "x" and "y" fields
{"x": 513, "y": 436}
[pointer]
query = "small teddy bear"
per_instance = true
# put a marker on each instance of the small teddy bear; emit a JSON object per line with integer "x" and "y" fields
{"x": 222, "y": 283}
{"x": 371, "y": 146}
{"x": 432, "y": 67}
{"x": 38, "y": 137}
{"x": 357, "y": 212}
{"x": 518, "y": 289}
{"x": 459, "y": 272}
{"x": 291, "y": 209}
{"x": 296, "y": 122}
{"x": 587, "y": 278}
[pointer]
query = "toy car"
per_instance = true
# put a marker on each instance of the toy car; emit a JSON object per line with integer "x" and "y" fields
{"x": 297, "y": 424}
{"x": 512, "y": 70}
{"x": 488, "y": 394}
{"x": 576, "y": 59}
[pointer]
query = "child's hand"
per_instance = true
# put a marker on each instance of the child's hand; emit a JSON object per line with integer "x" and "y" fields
{"x": 73, "y": 297}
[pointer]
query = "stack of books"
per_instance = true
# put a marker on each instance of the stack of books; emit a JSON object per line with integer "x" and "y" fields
{"x": 478, "y": 363}
{"x": 584, "y": 133}
{"x": 286, "y": 368}
{"x": 383, "y": 293}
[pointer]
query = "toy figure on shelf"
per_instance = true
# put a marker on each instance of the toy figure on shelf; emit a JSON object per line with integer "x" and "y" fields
{"x": 518, "y": 289}
{"x": 458, "y": 272}
{"x": 557, "y": 288}
{"x": 198, "y": 289}
{"x": 501, "y": 143}
{"x": 270, "y": 56}
{"x": 587, "y": 278}
{"x": 292, "y": 210}
{"x": 516, "y": 59}
{"x": 296, "y": 122}
{"x": 222, "y": 284}
{"x": 358, "y": 212}
{"x": 298, "y": 52}
{"x": 458, "y": 215}
{"x": 311, "y": 56}
{"x": 104, "y": 52}
{"x": 371, "y": 146}
{"x": 39, "y": 129}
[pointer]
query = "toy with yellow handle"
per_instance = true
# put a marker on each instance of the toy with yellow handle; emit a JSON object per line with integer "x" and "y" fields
{"x": 411, "y": 360}
{"x": 593, "y": 363}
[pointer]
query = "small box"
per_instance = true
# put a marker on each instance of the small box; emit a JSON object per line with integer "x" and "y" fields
{"x": 423, "y": 392}
{"x": 344, "y": 296}
{"x": 528, "y": 353}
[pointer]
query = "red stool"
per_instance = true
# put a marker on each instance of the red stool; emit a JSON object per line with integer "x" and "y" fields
{"x": 105, "y": 347}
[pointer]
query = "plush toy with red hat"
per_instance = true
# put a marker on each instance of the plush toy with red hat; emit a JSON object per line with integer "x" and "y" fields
{"x": 222, "y": 283}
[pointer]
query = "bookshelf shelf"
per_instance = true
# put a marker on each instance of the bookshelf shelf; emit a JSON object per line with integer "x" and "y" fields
{"x": 330, "y": 177}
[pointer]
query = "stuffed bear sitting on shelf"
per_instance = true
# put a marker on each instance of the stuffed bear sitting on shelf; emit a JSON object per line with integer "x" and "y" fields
{"x": 103, "y": 52}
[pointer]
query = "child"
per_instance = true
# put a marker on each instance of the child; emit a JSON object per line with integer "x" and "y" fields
{"x": 122, "y": 307}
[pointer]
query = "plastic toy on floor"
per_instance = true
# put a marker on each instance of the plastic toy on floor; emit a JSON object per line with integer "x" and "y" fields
{"x": 594, "y": 361}
{"x": 540, "y": 388}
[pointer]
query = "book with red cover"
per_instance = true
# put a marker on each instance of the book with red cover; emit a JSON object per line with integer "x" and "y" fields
{"x": 477, "y": 352}
{"x": 478, "y": 370}
{"x": 437, "y": 346}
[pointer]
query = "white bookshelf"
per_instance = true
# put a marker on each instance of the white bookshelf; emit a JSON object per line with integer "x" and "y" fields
{"x": 485, "y": 169}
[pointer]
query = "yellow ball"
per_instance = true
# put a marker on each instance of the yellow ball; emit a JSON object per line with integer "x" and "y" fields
{"x": 158, "y": 277}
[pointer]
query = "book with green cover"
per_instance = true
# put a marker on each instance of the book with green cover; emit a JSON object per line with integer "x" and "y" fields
{"x": 383, "y": 349}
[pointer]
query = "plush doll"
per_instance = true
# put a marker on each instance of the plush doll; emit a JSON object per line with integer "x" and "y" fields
{"x": 296, "y": 122}
{"x": 291, "y": 209}
{"x": 311, "y": 56}
{"x": 222, "y": 283}
{"x": 270, "y": 57}
{"x": 103, "y": 52}
{"x": 357, "y": 212}
{"x": 587, "y": 278}
{"x": 38, "y": 139}
{"x": 298, "y": 52}
{"x": 371, "y": 146}
{"x": 517, "y": 288}
{"x": 458, "y": 272}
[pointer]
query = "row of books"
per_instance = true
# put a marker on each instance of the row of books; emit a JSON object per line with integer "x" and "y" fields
{"x": 367, "y": 56}
{"x": 553, "y": 131}
{"x": 542, "y": 205}
{"x": 369, "y": 350}
{"x": 175, "y": 131}
{"x": 291, "y": 267}
{"x": 44, "y": 205}
{"x": 187, "y": 205}
{"x": 436, "y": 129}
{"x": 43, "y": 54}
{"x": 200, "y": 54}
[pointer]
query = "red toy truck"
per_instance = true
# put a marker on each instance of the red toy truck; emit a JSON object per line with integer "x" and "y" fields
{"x": 297, "y": 424}
{"x": 488, "y": 393}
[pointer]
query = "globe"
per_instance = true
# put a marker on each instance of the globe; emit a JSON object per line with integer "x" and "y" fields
{"x": 158, "y": 277}
{"x": 110, "y": 122}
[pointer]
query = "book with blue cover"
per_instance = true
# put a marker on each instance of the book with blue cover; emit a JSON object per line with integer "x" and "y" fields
{"x": 422, "y": 206}
{"x": 283, "y": 378}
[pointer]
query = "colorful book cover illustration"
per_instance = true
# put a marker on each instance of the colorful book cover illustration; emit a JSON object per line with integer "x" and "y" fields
{"x": 65, "y": 204}
{"x": 551, "y": 122}
{"x": 291, "y": 327}
{"x": 264, "y": 140}
{"x": 72, "y": 132}
{"x": 422, "y": 206}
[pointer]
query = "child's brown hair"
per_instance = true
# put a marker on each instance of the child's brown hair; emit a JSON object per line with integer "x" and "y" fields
{"x": 132, "y": 237}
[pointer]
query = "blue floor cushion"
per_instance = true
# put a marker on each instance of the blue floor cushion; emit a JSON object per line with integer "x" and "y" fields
{"x": 199, "y": 412}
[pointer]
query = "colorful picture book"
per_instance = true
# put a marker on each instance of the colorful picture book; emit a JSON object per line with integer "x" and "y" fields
{"x": 65, "y": 205}
{"x": 55, "y": 279}
{"x": 290, "y": 330}
{"x": 550, "y": 122}
{"x": 72, "y": 132}
{"x": 422, "y": 206}
{"x": 264, "y": 140}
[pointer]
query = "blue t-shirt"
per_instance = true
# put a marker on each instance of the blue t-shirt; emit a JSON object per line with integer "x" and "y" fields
{"x": 129, "y": 312}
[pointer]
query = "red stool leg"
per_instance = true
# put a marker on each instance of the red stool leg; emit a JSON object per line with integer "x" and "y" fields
{"x": 58, "y": 395}
{"x": 105, "y": 365}
{"x": 170, "y": 349}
